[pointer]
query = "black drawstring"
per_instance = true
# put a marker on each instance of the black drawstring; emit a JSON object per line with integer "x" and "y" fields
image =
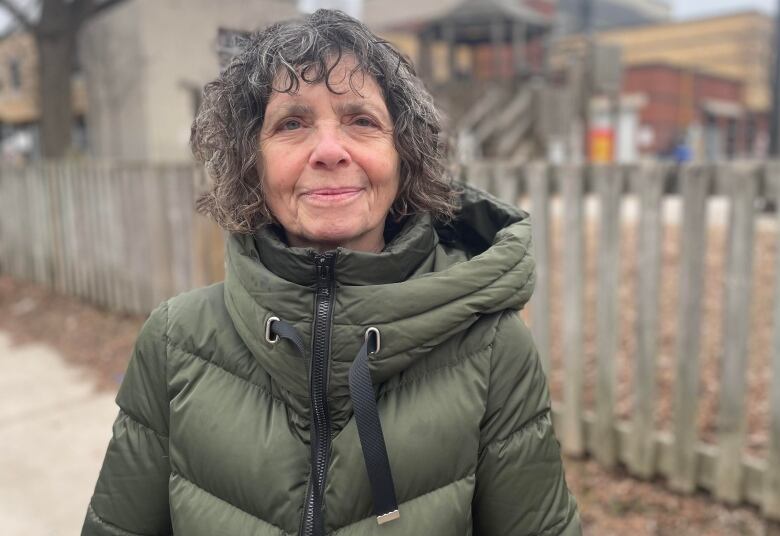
{"x": 287, "y": 331}
{"x": 372, "y": 440}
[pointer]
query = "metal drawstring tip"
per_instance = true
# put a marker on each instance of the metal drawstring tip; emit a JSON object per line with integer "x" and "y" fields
{"x": 388, "y": 517}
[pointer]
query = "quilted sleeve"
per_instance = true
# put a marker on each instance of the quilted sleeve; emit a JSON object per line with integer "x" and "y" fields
{"x": 131, "y": 495}
{"x": 521, "y": 488}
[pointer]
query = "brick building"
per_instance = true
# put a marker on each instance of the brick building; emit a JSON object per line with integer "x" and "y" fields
{"x": 704, "y": 110}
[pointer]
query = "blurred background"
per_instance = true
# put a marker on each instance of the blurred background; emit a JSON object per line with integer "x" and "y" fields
{"x": 641, "y": 135}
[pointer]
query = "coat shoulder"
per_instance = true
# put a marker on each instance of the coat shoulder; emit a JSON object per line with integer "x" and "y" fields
{"x": 199, "y": 323}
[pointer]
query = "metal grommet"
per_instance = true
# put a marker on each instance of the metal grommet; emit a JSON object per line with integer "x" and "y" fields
{"x": 268, "y": 323}
{"x": 375, "y": 331}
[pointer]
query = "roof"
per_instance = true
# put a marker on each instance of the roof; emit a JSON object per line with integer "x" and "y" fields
{"x": 475, "y": 11}
{"x": 461, "y": 13}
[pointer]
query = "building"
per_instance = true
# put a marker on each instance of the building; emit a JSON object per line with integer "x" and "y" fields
{"x": 145, "y": 64}
{"x": 702, "y": 80}
{"x": 700, "y": 111}
{"x": 716, "y": 55}
{"x": 736, "y": 46}
{"x": 19, "y": 98}
{"x": 612, "y": 14}
{"x": 478, "y": 39}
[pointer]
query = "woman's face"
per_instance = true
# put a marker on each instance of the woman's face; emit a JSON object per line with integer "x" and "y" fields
{"x": 328, "y": 163}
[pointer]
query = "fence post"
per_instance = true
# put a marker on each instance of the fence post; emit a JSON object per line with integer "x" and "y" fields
{"x": 650, "y": 184}
{"x": 771, "y": 506}
{"x": 478, "y": 175}
{"x": 736, "y": 325}
{"x": 695, "y": 187}
{"x": 538, "y": 180}
{"x": 573, "y": 436}
{"x": 609, "y": 185}
{"x": 506, "y": 182}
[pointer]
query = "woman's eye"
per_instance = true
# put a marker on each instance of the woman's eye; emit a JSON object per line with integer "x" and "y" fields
{"x": 290, "y": 124}
{"x": 364, "y": 122}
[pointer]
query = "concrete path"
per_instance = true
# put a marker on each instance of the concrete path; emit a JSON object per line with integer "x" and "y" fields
{"x": 54, "y": 429}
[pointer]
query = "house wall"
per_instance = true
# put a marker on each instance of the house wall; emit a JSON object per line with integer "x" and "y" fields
{"x": 674, "y": 102}
{"x": 733, "y": 46}
{"x": 147, "y": 60}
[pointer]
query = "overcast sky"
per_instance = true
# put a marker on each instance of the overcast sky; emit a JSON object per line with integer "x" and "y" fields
{"x": 701, "y": 8}
{"x": 681, "y": 9}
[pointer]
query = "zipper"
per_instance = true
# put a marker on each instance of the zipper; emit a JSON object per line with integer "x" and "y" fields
{"x": 313, "y": 522}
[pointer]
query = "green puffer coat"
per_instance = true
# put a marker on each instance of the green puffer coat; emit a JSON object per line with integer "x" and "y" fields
{"x": 222, "y": 432}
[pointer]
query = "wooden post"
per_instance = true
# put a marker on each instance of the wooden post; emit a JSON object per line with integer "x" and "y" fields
{"x": 497, "y": 42}
{"x": 610, "y": 185}
{"x": 732, "y": 422}
{"x": 506, "y": 182}
{"x": 573, "y": 437}
{"x": 518, "y": 48}
{"x": 695, "y": 187}
{"x": 424, "y": 60}
{"x": 537, "y": 176}
{"x": 771, "y": 506}
{"x": 449, "y": 39}
{"x": 179, "y": 191}
{"x": 55, "y": 210}
{"x": 650, "y": 183}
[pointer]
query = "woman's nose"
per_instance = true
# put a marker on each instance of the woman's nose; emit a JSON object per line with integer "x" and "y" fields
{"x": 329, "y": 152}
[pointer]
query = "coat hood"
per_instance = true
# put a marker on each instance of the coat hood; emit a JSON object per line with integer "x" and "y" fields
{"x": 428, "y": 284}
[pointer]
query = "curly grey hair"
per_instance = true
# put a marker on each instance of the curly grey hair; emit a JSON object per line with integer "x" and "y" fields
{"x": 224, "y": 133}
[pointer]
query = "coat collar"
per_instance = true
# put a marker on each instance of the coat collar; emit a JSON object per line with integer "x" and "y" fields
{"x": 402, "y": 256}
{"x": 426, "y": 286}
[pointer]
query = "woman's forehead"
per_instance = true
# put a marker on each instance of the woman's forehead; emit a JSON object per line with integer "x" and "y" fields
{"x": 344, "y": 86}
{"x": 340, "y": 72}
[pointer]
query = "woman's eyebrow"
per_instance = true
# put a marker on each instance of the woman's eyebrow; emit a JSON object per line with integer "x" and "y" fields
{"x": 293, "y": 108}
{"x": 358, "y": 107}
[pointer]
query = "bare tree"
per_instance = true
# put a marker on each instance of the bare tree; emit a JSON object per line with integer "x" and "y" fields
{"x": 55, "y": 25}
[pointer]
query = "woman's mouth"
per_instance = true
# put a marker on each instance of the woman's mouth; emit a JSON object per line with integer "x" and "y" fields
{"x": 331, "y": 196}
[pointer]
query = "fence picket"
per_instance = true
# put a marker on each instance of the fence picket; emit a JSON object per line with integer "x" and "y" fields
{"x": 609, "y": 183}
{"x": 573, "y": 436}
{"x": 138, "y": 255}
{"x": 771, "y": 499}
{"x": 736, "y": 322}
{"x": 506, "y": 182}
{"x": 179, "y": 192}
{"x": 96, "y": 244}
{"x": 478, "y": 175}
{"x": 695, "y": 186}
{"x": 69, "y": 228}
{"x": 4, "y": 209}
{"x": 110, "y": 187}
{"x": 538, "y": 179}
{"x": 55, "y": 215}
{"x": 650, "y": 184}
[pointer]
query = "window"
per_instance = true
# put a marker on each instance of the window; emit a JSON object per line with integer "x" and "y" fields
{"x": 16, "y": 74}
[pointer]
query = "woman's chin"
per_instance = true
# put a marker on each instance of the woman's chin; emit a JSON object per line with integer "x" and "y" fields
{"x": 340, "y": 232}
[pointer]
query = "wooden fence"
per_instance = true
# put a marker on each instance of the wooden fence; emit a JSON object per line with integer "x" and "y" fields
{"x": 686, "y": 462}
{"x": 122, "y": 236}
{"x": 126, "y": 237}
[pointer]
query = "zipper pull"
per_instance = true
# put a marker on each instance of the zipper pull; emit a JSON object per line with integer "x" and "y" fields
{"x": 322, "y": 267}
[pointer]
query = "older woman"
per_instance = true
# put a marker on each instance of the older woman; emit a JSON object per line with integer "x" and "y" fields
{"x": 363, "y": 368}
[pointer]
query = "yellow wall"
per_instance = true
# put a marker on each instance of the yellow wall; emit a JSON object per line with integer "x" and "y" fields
{"x": 736, "y": 46}
{"x": 20, "y": 105}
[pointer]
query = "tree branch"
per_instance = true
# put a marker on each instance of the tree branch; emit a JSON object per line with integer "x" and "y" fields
{"x": 21, "y": 17}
